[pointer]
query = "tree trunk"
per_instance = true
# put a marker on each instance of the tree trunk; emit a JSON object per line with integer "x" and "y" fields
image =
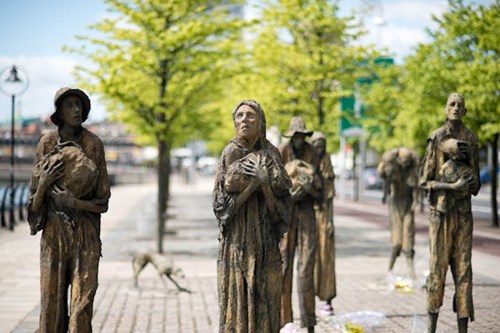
{"x": 355, "y": 170}
{"x": 319, "y": 110}
{"x": 163, "y": 158}
{"x": 494, "y": 181}
{"x": 163, "y": 184}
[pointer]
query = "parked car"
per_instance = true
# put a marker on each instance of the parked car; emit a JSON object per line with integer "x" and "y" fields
{"x": 371, "y": 179}
{"x": 485, "y": 174}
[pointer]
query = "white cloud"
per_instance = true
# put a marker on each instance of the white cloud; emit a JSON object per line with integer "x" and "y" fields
{"x": 413, "y": 12}
{"x": 404, "y": 24}
{"x": 46, "y": 75}
{"x": 401, "y": 40}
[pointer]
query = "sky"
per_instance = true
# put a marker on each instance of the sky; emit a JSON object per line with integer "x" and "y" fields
{"x": 33, "y": 32}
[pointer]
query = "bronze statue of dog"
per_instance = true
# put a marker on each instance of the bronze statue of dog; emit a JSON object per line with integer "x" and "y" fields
{"x": 163, "y": 265}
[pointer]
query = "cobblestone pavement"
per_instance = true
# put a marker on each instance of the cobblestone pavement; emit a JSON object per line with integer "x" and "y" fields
{"x": 191, "y": 241}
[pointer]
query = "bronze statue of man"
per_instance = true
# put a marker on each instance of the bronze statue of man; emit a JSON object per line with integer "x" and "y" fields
{"x": 399, "y": 169}
{"x": 68, "y": 193}
{"x": 251, "y": 201}
{"x": 451, "y": 222}
{"x": 302, "y": 164}
{"x": 324, "y": 266}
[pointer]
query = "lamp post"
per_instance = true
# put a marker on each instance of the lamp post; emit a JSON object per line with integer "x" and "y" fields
{"x": 13, "y": 82}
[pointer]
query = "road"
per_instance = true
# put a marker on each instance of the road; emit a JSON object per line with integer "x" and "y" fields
{"x": 481, "y": 205}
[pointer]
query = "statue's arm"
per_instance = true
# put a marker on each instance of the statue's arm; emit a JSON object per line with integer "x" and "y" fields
{"x": 99, "y": 202}
{"x": 427, "y": 168}
{"x": 475, "y": 184}
{"x": 243, "y": 196}
{"x": 49, "y": 172}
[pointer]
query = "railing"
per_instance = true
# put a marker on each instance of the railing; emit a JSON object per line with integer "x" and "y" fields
{"x": 12, "y": 213}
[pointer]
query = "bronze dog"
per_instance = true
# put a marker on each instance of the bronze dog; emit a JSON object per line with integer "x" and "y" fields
{"x": 163, "y": 265}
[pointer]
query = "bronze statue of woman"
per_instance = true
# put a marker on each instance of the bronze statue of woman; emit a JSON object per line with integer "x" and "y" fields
{"x": 324, "y": 266}
{"x": 69, "y": 192}
{"x": 251, "y": 201}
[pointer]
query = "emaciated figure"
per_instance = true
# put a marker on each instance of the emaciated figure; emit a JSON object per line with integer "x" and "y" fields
{"x": 324, "y": 266}
{"x": 69, "y": 191}
{"x": 399, "y": 170}
{"x": 451, "y": 222}
{"x": 251, "y": 201}
{"x": 301, "y": 162}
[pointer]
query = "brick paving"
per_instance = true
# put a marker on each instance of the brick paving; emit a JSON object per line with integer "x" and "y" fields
{"x": 191, "y": 241}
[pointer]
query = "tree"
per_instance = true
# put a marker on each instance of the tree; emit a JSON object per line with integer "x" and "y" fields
{"x": 461, "y": 57}
{"x": 158, "y": 65}
{"x": 303, "y": 58}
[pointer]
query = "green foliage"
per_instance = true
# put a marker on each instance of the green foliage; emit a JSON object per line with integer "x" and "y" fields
{"x": 159, "y": 65}
{"x": 408, "y": 101}
{"x": 301, "y": 57}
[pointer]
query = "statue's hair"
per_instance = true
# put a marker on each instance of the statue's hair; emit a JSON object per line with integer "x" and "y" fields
{"x": 256, "y": 106}
{"x": 452, "y": 95}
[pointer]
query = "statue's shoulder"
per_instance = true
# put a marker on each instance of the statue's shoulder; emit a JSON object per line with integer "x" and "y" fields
{"x": 47, "y": 141}
{"x": 471, "y": 136}
{"x": 438, "y": 133}
{"x": 231, "y": 153}
{"x": 269, "y": 147}
{"x": 229, "y": 149}
{"x": 90, "y": 137}
{"x": 49, "y": 137}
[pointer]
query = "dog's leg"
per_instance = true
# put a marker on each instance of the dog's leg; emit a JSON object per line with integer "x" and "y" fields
{"x": 177, "y": 285}
{"x": 163, "y": 280}
{"x": 137, "y": 268}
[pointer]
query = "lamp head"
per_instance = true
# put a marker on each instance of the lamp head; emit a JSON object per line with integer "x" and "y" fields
{"x": 13, "y": 77}
{"x": 13, "y": 81}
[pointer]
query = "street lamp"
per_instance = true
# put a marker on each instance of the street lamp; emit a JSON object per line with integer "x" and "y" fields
{"x": 13, "y": 82}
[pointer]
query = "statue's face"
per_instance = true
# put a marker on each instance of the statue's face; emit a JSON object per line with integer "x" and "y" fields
{"x": 455, "y": 108}
{"x": 246, "y": 122}
{"x": 404, "y": 161}
{"x": 319, "y": 146}
{"x": 71, "y": 110}
{"x": 298, "y": 140}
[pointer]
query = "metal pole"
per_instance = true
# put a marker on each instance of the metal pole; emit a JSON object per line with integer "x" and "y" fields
{"x": 11, "y": 220}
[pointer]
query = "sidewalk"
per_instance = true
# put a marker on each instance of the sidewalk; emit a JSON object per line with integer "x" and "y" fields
{"x": 363, "y": 250}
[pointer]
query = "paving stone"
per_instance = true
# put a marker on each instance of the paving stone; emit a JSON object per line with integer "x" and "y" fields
{"x": 363, "y": 249}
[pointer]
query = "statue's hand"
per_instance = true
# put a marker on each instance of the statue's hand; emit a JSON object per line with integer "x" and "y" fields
{"x": 268, "y": 163}
{"x": 297, "y": 193}
{"x": 249, "y": 167}
{"x": 51, "y": 171}
{"x": 63, "y": 198}
{"x": 261, "y": 173}
{"x": 256, "y": 169}
{"x": 305, "y": 184}
{"x": 463, "y": 148}
{"x": 472, "y": 183}
{"x": 461, "y": 184}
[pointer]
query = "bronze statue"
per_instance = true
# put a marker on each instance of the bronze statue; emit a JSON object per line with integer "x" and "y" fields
{"x": 399, "y": 170}
{"x": 251, "y": 201}
{"x": 324, "y": 266}
{"x": 301, "y": 163}
{"x": 69, "y": 192}
{"x": 450, "y": 174}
